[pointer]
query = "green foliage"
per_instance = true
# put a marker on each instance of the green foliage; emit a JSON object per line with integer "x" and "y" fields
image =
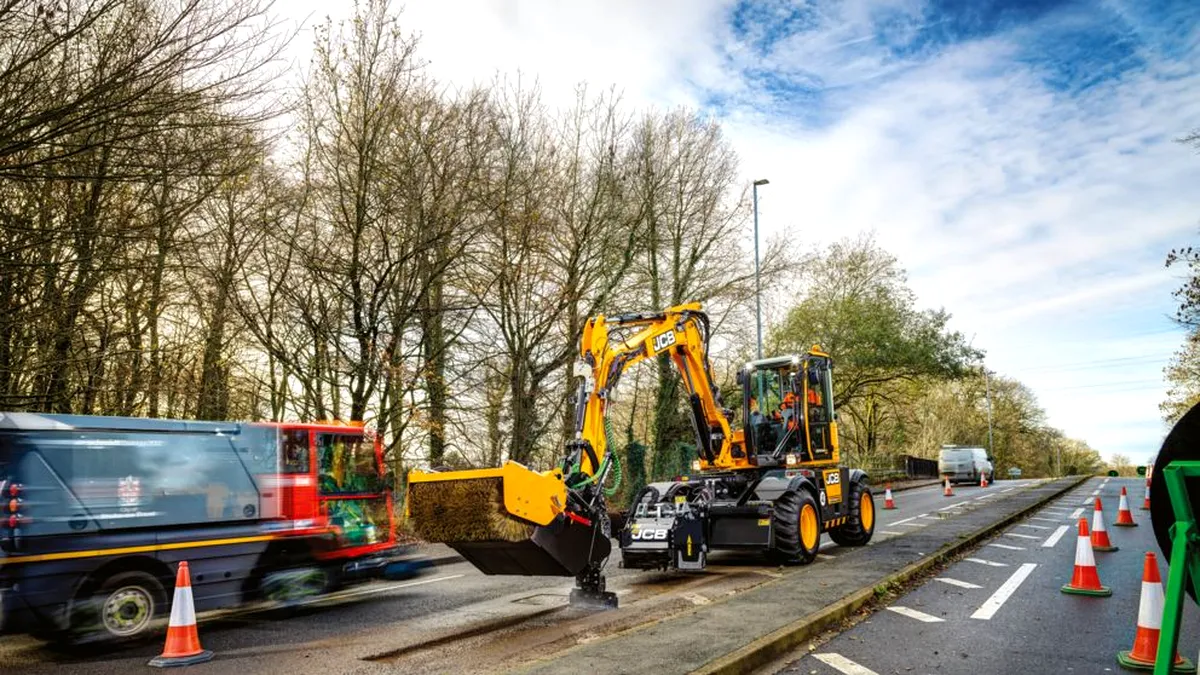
{"x": 1183, "y": 374}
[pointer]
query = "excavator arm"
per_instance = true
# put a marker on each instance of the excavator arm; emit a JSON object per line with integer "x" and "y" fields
{"x": 514, "y": 520}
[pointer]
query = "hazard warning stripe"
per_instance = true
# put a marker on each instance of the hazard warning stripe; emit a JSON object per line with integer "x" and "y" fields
{"x": 149, "y": 548}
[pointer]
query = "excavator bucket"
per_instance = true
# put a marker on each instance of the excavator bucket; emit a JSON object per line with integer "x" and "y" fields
{"x": 509, "y": 520}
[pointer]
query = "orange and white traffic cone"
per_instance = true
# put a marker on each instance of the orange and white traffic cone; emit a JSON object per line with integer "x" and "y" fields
{"x": 1146, "y": 502}
{"x": 948, "y": 491}
{"x": 1100, "y": 541}
{"x": 183, "y": 641}
{"x": 983, "y": 480}
{"x": 888, "y": 502}
{"x": 1149, "y": 623}
{"x": 1124, "y": 515}
{"x": 1085, "y": 580}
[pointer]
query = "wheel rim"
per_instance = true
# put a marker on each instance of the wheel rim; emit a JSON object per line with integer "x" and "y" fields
{"x": 808, "y": 526}
{"x": 866, "y": 510}
{"x": 128, "y": 610}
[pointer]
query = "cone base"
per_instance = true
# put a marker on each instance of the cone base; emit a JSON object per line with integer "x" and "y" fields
{"x": 172, "y": 661}
{"x": 1102, "y": 592}
{"x": 1144, "y": 508}
{"x": 889, "y": 508}
{"x": 1105, "y": 549}
{"x": 1127, "y": 660}
{"x": 1125, "y": 524}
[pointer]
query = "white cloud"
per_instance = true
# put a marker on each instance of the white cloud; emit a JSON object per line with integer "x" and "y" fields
{"x": 1039, "y": 218}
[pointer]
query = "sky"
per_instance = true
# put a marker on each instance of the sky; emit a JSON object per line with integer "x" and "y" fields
{"x": 1019, "y": 158}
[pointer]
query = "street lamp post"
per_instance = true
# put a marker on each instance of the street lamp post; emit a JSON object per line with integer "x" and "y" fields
{"x": 757, "y": 286}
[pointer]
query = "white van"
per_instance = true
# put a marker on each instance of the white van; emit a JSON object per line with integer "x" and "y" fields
{"x": 962, "y": 463}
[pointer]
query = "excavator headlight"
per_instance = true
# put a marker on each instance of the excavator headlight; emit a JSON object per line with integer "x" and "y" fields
{"x": 792, "y": 459}
{"x": 695, "y": 465}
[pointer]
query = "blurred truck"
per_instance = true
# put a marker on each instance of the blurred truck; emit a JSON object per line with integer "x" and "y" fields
{"x": 96, "y": 513}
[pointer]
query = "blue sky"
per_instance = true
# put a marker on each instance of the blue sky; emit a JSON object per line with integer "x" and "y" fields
{"x": 1018, "y": 157}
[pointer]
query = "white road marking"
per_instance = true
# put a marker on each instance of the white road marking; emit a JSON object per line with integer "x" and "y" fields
{"x": 1064, "y": 509}
{"x": 827, "y": 545}
{"x": 1006, "y": 546}
{"x": 947, "y": 508}
{"x": 993, "y": 604}
{"x": 1075, "y": 514}
{"x": 380, "y": 589}
{"x": 956, "y": 582}
{"x": 1062, "y": 529}
{"x": 1095, "y": 492}
{"x": 1036, "y": 527}
{"x": 1020, "y": 536}
{"x": 1008, "y": 489}
{"x": 825, "y": 556}
{"x": 1047, "y": 520}
{"x": 843, "y": 664}
{"x": 922, "y": 515}
{"x": 890, "y": 532}
{"x": 901, "y": 522}
{"x": 915, "y": 524}
{"x": 989, "y": 563}
{"x": 914, "y": 614}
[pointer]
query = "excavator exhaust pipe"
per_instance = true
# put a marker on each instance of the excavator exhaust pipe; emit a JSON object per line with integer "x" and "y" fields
{"x": 509, "y": 520}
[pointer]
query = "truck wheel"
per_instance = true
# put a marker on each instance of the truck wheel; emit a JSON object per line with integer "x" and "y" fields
{"x": 797, "y": 526}
{"x": 122, "y": 609}
{"x": 860, "y": 524}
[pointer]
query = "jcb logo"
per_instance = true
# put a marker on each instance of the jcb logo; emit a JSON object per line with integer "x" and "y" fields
{"x": 648, "y": 533}
{"x": 833, "y": 478}
{"x": 664, "y": 340}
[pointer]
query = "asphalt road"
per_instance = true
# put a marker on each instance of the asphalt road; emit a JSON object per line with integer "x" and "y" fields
{"x": 333, "y": 635}
{"x": 948, "y": 626}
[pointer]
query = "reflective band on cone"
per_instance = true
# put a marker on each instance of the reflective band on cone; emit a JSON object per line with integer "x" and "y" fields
{"x": 183, "y": 641}
{"x": 1146, "y": 502}
{"x": 1149, "y": 624}
{"x": 1124, "y": 515}
{"x": 1085, "y": 580}
{"x": 1100, "y": 541}
{"x": 887, "y": 498}
{"x": 948, "y": 492}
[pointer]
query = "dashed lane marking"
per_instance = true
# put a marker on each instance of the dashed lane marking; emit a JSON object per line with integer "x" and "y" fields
{"x": 993, "y": 604}
{"x": 956, "y": 582}
{"x": 825, "y": 556}
{"x": 1095, "y": 492}
{"x": 1020, "y": 536}
{"x": 901, "y": 522}
{"x": 989, "y": 563}
{"x": 947, "y": 508}
{"x": 890, "y": 532}
{"x": 1049, "y": 543}
{"x": 376, "y": 589}
{"x": 843, "y": 664}
{"x": 1075, "y": 514}
{"x": 915, "y": 524}
{"x": 914, "y": 614}
{"x": 1006, "y": 546}
{"x": 1035, "y": 527}
{"x": 1045, "y": 520}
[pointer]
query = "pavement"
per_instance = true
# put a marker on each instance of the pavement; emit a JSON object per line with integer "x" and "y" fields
{"x": 999, "y": 609}
{"x": 455, "y": 619}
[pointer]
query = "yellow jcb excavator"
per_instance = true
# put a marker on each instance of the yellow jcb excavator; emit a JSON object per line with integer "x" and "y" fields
{"x": 772, "y": 486}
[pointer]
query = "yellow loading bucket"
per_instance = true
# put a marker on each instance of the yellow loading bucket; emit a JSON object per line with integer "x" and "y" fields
{"x": 508, "y": 520}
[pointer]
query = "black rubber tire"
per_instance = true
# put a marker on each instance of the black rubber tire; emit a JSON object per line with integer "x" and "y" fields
{"x": 853, "y": 533}
{"x": 87, "y": 614}
{"x": 785, "y": 521}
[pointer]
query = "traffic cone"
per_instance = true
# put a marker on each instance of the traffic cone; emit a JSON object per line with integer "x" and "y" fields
{"x": 1149, "y": 623}
{"x": 948, "y": 491}
{"x": 983, "y": 480}
{"x": 1146, "y": 501}
{"x": 1100, "y": 540}
{"x": 1085, "y": 581}
{"x": 888, "y": 503}
{"x": 183, "y": 642}
{"x": 1124, "y": 515}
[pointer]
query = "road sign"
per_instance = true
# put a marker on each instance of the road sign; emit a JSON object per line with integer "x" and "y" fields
{"x": 1113, "y": 474}
{"x": 1014, "y": 472}
{"x": 1141, "y": 471}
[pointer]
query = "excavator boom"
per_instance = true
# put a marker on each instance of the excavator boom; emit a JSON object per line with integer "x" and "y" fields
{"x": 515, "y": 520}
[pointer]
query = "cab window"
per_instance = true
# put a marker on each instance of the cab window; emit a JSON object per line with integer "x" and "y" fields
{"x": 346, "y": 464}
{"x": 294, "y": 455}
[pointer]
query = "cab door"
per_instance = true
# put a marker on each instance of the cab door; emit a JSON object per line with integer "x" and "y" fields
{"x": 818, "y": 408}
